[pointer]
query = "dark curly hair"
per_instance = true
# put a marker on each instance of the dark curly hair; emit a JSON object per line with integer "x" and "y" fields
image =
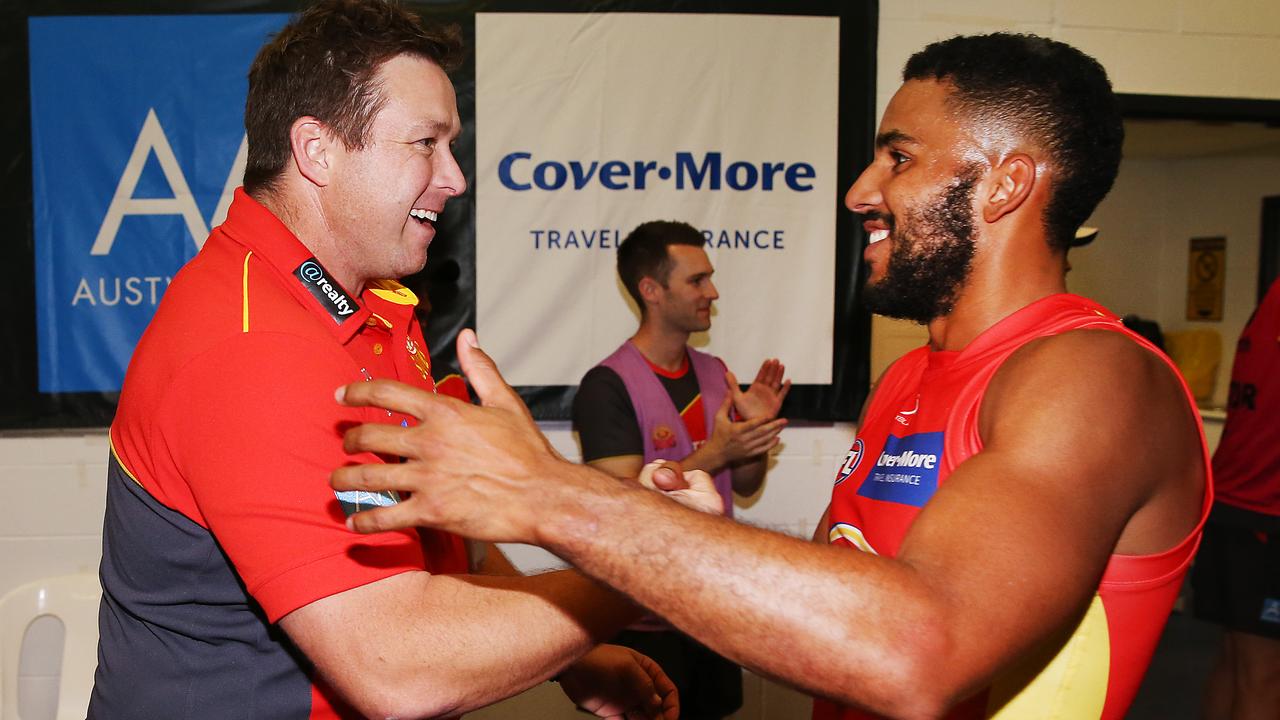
{"x": 643, "y": 252}
{"x": 1049, "y": 93}
{"x": 323, "y": 64}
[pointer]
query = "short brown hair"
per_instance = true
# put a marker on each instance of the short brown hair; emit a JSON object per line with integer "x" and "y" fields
{"x": 643, "y": 253}
{"x": 322, "y": 64}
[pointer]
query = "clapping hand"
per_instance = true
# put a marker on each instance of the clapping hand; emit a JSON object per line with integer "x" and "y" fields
{"x": 763, "y": 398}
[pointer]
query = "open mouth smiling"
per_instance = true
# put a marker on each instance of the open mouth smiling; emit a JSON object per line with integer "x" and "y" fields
{"x": 424, "y": 216}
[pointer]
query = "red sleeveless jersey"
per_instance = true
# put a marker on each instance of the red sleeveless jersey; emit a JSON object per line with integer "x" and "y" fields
{"x": 921, "y": 424}
{"x": 1246, "y": 468}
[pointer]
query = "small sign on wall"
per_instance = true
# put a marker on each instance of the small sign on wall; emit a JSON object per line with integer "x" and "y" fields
{"x": 1206, "y": 278}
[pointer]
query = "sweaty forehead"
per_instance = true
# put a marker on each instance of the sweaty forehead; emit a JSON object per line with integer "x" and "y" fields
{"x": 918, "y": 106}
{"x": 927, "y": 114}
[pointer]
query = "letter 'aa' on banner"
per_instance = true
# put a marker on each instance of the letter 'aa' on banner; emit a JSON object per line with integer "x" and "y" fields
{"x": 588, "y": 125}
{"x": 137, "y": 143}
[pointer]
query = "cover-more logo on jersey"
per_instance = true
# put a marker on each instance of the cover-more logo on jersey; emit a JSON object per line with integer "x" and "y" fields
{"x": 907, "y": 470}
{"x": 851, "y": 461}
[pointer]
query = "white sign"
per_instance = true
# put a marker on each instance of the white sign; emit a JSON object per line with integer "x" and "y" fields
{"x": 588, "y": 125}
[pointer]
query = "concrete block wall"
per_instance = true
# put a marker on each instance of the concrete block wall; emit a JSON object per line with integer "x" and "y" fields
{"x": 53, "y": 527}
{"x": 56, "y": 490}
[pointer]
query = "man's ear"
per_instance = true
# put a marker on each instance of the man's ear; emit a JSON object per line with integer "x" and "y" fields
{"x": 313, "y": 150}
{"x": 1009, "y": 185}
{"x": 650, "y": 290}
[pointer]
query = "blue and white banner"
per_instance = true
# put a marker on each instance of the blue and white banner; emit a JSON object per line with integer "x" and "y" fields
{"x": 589, "y": 124}
{"x": 137, "y": 144}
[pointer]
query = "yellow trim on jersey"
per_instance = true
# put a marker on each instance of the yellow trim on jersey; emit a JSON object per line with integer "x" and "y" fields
{"x": 384, "y": 320}
{"x": 695, "y": 399}
{"x": 852, "y": 535}
{"x": 442, "y": 380}
{"x": 1071, "y": 684}
{"x": 392, "y": 291}
{"x": 112, "y": 444}
{"x": 244, "y": 296}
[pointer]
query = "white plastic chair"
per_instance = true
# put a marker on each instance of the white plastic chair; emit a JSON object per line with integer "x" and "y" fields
{"x": 73, "y": 599}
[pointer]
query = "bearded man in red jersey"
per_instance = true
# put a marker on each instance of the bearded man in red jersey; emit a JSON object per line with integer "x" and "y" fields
{"x": 1011, "y": 527}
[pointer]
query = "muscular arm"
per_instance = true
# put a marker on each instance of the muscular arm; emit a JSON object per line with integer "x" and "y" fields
{"x": 746, "y": 476}
{"x": 1008, "y": 552}
{"x": 1068, "y": 472}
{"x": 416, "y": 644}
{"x": 391, "y": 639}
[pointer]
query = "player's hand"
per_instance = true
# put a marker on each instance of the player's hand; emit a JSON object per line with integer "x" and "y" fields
{"x": 472, "y": 470}
{"x": 763, "y": 398}
{"x": 737, "y": 440}
{"x": 617, "y": 682}
{"x": 692, "y": 488}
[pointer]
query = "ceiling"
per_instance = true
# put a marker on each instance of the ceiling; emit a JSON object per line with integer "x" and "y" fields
{"x": 1171, "y": 139}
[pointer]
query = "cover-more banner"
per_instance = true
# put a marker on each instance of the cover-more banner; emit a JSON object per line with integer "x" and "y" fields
{"x": 589, "y": 124}
{"x": 137, "y": 143}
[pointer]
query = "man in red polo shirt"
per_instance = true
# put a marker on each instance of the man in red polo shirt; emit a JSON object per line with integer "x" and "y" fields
{"x": 1013, "y": 521}
{"x": 231, "y": 586}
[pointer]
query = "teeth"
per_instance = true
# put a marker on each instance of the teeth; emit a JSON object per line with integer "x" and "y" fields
{"x": 878, "y": 235}
{"x": 423, "y": 214}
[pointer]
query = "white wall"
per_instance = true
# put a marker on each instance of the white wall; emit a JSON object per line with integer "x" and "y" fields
{"x": 1208, "y": 198}
{"x": 1157, "y": 47}
{"x": 1139, "y": 262}
{"x": 1182, "y": 47}
{"x": 1121, "y": 268}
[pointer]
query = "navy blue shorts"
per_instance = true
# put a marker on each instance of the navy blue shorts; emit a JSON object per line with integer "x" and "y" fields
{"x": 1236, "y": 578}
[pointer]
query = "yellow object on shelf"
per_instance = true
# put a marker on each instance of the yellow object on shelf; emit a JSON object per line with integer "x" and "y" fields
{"x": 1197, "y": 354}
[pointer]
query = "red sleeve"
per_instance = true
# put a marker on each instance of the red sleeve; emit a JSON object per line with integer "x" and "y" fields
{"x": 453, "y": 386}
{"x": 257, "y": 431}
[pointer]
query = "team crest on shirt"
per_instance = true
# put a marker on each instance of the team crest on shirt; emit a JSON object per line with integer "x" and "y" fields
{"x": 419, "y": 358}
{"x": 851, "y": 461}
{"x": 663, "y": 438}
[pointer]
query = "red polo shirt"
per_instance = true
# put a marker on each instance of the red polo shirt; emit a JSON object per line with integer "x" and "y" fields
{"x": 223, "y": 443}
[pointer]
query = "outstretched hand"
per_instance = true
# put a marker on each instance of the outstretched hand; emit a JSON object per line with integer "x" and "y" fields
{"x": 692, "y": 488}
{"x": 763, "y": 398}
{"x": 471, "y": 470}
{"x": 618, "y": 682}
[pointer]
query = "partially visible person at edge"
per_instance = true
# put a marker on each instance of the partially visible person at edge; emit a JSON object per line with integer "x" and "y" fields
{"x": 656, "y": 398}
{"x": 1010, "y": 529}
{"x": 1236, "y": 580}
{"x": 231, "y": 586}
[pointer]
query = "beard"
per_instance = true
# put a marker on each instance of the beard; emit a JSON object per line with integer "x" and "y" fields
{"x": 932, "y": 255}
